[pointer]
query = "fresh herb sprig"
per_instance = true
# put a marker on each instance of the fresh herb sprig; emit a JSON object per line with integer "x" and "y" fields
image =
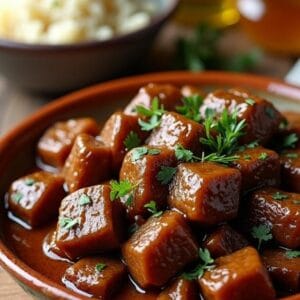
{"x": 290, "y": 254}
{"x": 191, "y": 107}
{"x": 279, "y": 196}
{"x": 122, "y": 188}
{"x": 207, "y": 263}
{"x": 100, "y": 267}
{"x": 154, "y": 114}
{"x": 67, "y": 223}
{"x": 132, "y": 140}
{"x": 139, "y": 152}
{"x": 290, "y": 141}
{"x": 152, "y": 208}
{"x": 262, "y": 233}
{"x": 166, "y": 174}
{"x": 229, "y": 129}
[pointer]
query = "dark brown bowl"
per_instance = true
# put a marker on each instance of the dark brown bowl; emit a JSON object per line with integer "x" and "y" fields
{"x": 17, "y": 155}
{"x": 60, "y": 68}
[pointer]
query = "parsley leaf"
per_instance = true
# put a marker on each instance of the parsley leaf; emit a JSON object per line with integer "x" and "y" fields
{"x": 262, "y": 233}
{"x": 191, "y": 107}
{"x": 122, "y": 188}
{"x": 247, "y": 157}
{"x": 229, "y": 131}
{"x": 221, "y": 159}
{"x": 166, "y": 174}
{"x": 138, "y": 153}
{"x": 206, "y": 264}
{"x": 263, "y": 156}
{"x": 29, "y": 181}
{"x": 100, "y": 267}
{"x": 152, "y": 208}
{"x": 183, "y": 154}
{"x": 84, "y": 200}
{"x": 67, "y": 223}
{"x": 291, "y": 155}
{"x": 290, "y": 254}
{"x": 250, "y": 102}
{"x": 17, "y": 197}
{"x": 290, "y": 141}
{"x": 279, "y": 196}
{"x": 132, "y": 140}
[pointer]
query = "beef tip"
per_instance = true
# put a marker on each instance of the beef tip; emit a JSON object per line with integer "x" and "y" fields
{"x": 114, "y": 133}
{"x": 259, "y": 167}
{"x": 191, "y": 90}
{"x": 174, "y": 130}
{"x": 206, "y": 193}
{"x": 223, "y": 241}
{"x": 89, "y": 222}
{"x": 180, "y": 289}
{"x": 238, "y": 276}
{"x": 169, "y": 96}
{"x": 159, "y": 249}
{"x": 261, "y": 117}
{"x": 141, "y": 167}
{"x": 98, "y": 276}
{"x": 36, "y": 197}
{"x": 56, "y": 143}
{"x": 89, "y": 163}
{"x": 278, "y": 210}
{"x": 290, "y": 170}
{"x": 283, "y": 269}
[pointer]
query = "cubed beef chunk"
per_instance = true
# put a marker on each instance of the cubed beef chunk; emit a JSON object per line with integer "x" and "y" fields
{"x": 238, "y": 276}
{"x": 180, "y": 289}
{"x": 280, "y": 211}
{"x": 290, "y": 170}
{"x": 89, "y": 163}
{"x": 191, "y": 90}
{"x": 259, "y": 167}
{"x": 261, "y": 117}
{"x": 168, "y": 95}
{"x": 97, "y": 276}
{"x": 89, "y": 222}
{"x": 158, "y": 244}
{"x": 116, "y": 130}
{"x": 224, "y": 240}
{"x": 141, "y": 167}
{"x": 174, "y": 130}
{"x": 283, "y": 268}
{"x": 206, "y": 193}
{"x": 56, "y": 143}
{"x": 36, "y": 197}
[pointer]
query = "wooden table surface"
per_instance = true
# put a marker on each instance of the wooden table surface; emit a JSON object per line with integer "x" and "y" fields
{"x": 16, "y": 104}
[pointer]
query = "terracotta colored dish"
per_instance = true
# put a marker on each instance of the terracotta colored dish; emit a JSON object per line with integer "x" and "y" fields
{"x": 17, "y": 150}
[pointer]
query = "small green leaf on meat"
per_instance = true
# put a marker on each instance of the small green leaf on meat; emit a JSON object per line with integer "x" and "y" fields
{"x": 290, "y": 254}
{"x": 132, "y": 140}
{"x": 84, "y": 200}
{"x": 262, "y": 233}
{"x": 279, "y": 196}
{"x": 138, "y": 153}
{"x": 183, "y": 154}
{"x": 166, "y": 174}
{"x": 290, "y": 141}
{"x": 29, "y": 181}
{"x": 67, "y": 223}
{"x": 291, "y": 155}
{"x": 100, "y": 267}
{"x": 152, "y": 208}
{"x": 16, "y": 197}
{"x": 263, "y": 156}
{"x": 191, "y": 107}
{"x": 250, "y": 102}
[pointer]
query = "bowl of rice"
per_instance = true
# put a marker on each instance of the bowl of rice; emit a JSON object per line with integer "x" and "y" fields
{"x": 60, "y": 45}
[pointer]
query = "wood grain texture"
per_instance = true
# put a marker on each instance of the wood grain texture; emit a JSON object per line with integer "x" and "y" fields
{"x": 16, "y": 104}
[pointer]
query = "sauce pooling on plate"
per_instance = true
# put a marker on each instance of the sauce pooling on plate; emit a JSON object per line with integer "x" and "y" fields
{"x": 180, "y": 196}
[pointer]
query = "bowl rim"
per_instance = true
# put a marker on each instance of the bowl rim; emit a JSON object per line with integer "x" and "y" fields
{"x": 158, "y": 19}
{"x": 15, "y": 266}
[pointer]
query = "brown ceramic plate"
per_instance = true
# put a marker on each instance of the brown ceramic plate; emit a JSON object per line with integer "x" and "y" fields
{"x": 17, "y": 148}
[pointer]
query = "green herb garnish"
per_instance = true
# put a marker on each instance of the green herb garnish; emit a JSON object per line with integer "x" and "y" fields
{"x": 191, "y": 107}
{"x": 166, "y": 174}
{"x": 122, "y": 188}
{"x": 207, "y": 263}
{"x": 152, "y": 208}
{"x": 290, "y": 254}
{"x": 279, "y": 196}
{"x": 262, "y": 233}
{"x": 100, "y": 267}
{"x": 263, "y": 156}
{"x": 185, "y": 155}
{"x": 250, "y": 102}
{"x": 290, "y": 141}
{"x": 67, "y": 223}
{"x": 29, "y": 181}
{"x": 154, "y": 113}
{"x": 291, "y": 155}
{"x": 17, "y": 197}
{"x": 138, "y": 153}
{"x": 247, "y": 157}
{"x": 132, "y": 140}
{"x": 84, "y": 200}
{"x": 221, "y": 159}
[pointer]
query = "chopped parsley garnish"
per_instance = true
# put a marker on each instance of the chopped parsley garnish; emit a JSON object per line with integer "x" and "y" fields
{"x": 29, "y": 181}
{"x": 263, "y": 156}
{"x": 262, "y": 233}
{"x": 17, "y": 197}
{"x": 132, "y": 140}
{"x": 152, "y": 208}
{"x": 290, "y": 141}
{"x": 270, "y": 112}
{"x": 138, "y": 153}
{"x": 184, "y": 154}
{"x": 100, "y": 267}
{"x": 252, "y": 145}
{"x": 250, "y": 102}
{"x": 122, "y": 188}
{"x": 166, "y": 174}
{"x": 247, "y": 157}
{"x": 207, "y": 263}
{"x": 84, "y": 200}
{"x": 291, "y": 155}
{"x": 229, "y": 130}
{"x": 191, "y": 107}
{"x": 221, "y": 159}
{"x": 279, "y": 196}
{"x": 67, "y": 223}
{"x": 290, "y": 254}
{"x": 154, "y": 114}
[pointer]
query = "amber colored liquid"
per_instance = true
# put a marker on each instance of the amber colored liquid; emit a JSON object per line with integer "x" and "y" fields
{"x": 274, "y": 24}
{"x": 219, "y": 13}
